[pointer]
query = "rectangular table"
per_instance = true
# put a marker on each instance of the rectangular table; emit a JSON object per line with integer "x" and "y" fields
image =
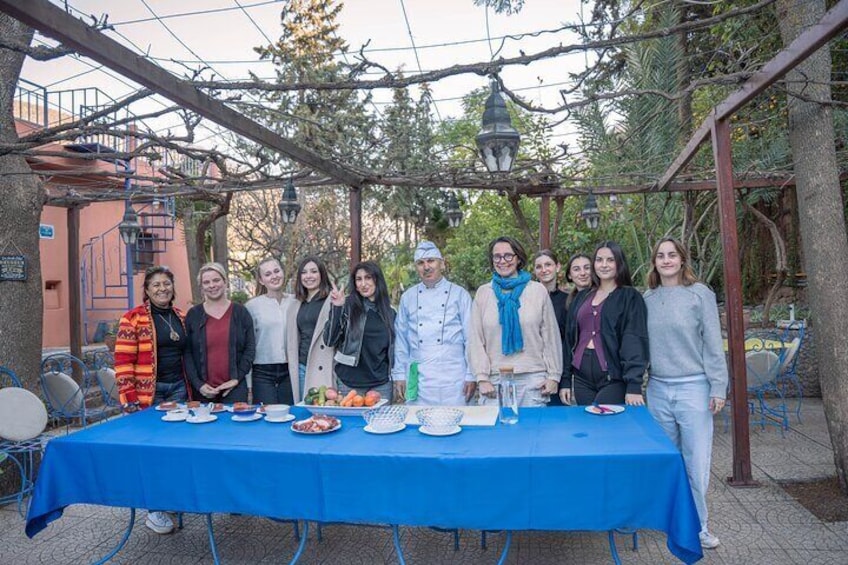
{"x": 557, "y": 469}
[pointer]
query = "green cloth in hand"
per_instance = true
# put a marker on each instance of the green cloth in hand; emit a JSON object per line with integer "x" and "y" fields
{"x": 412, "y": 382}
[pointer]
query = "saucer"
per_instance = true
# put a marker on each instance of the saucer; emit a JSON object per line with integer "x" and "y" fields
{"x": 381, "y": 431}
{"x": 604, "y": 409}
{"x": 175, "y": 416}
{"x": 175, "y": 406}
{"x": 196, "y": 420}
{"x": 252, "y": 418}
{"x": 428, "y": 432}
{"x": 288, "y": 418}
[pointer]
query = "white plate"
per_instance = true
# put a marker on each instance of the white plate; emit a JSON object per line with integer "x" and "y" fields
{"x": 288, "y": 418}
{"x": 179, "y": 406}
{"x": 196, "y": 420}
{"x": 391, "y": 430}
{"x": 317, "y": 433}
{"x": 428, "y": 432}
{"x": 605, "y": 409}
{"x": 175, "y": 416}
{"x": 252, "y": 418}
{"x": 341, "y": 410}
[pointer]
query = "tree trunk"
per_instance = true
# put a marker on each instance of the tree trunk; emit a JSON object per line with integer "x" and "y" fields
{"x": 195, "y": 256}
{"x": 220, "y": 249}
{"x": 821, "y": 218}
{"x": 21, "y": 304}
{"x": 779, "y": 260}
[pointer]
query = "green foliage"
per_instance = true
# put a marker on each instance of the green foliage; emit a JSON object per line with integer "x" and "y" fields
{"x": 239, "y": 296}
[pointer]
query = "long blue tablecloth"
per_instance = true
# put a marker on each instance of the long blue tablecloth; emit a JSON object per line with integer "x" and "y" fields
{"x": 557, "y": 469}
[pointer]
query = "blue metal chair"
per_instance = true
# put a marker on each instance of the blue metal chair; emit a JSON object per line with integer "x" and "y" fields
{"x": 70, "y": 391}
{"x": 20, "y": 452}
{"x": 762, "y": 368}
{"x": 104, "y": 372}
{"x": 786, "y": 374}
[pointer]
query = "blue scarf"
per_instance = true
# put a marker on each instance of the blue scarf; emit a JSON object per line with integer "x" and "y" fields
{"x": 508, "y": 305}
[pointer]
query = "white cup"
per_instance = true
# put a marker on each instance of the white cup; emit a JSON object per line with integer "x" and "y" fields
{"x": 203, "y": 411}
{"x": 276, "y": 411}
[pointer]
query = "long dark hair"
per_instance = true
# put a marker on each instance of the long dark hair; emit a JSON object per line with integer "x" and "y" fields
{"x": 573, "y": 292}
{"x": 356, "y": 303}
{"x": 300, "y": 291}
{"x": 622, "y": 271}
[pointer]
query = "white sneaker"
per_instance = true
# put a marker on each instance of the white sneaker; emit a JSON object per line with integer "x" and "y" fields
{"x": 708, "y": 541}
{"x": 159, "y": 522}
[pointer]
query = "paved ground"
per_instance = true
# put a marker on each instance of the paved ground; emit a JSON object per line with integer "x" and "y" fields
{"x": 756, "y": 526}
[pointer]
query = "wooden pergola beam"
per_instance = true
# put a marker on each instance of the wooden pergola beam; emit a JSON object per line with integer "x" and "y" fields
{"x": 694, "y": 186}
{"x": 804, "y": 45}
{"x": 85, "y": 40}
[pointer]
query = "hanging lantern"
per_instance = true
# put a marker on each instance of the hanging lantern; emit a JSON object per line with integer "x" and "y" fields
{"x": 590, "y": 212}
{"x": 289, "y": 207}
{"x": 129, "y": 228}
{"x": 498, "y": 140}
{"x": 453, "y": 212}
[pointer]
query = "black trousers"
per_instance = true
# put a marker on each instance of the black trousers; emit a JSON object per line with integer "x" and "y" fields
{"x": 272, "y": 384}
{"x": 592, "y": 384}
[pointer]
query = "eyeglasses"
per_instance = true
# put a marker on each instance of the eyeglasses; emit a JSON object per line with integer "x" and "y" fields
{"x": 506, "y": 257}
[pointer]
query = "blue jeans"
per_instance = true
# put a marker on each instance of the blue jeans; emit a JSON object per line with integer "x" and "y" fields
{"x": 683, "y": 412}
{"x": 170, "y": 392}
{"x": 272, "y": 384}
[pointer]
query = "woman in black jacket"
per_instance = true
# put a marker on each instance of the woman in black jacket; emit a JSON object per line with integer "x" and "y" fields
{"x": 221, "y": 341}
{"x": 608, "y": 370}
{"x": 361, "y": 328}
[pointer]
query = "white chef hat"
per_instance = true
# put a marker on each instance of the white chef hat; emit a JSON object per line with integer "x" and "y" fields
{"x": 427, "y": 250}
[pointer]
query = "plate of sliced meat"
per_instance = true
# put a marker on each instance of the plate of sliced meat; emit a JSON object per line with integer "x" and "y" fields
{"x": 317, "y": 424}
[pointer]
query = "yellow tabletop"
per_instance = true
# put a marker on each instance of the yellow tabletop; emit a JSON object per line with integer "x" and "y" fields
{"x": 756, "y": 343}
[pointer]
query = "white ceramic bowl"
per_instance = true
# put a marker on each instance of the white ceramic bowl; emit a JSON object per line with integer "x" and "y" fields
{"x": 385, "y": 417}
{"x": 277, "y": 411}
{"x": 440, "y": 420}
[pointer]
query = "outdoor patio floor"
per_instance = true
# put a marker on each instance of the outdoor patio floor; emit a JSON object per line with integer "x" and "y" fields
{"x": 761, "y": 525}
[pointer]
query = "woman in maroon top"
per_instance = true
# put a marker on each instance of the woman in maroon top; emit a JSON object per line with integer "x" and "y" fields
{"x": 605, "y": 349}
{"x": 221, "y": 341}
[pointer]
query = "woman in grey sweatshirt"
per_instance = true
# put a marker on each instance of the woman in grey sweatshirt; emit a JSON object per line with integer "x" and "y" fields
{"x": 688, "y": 372}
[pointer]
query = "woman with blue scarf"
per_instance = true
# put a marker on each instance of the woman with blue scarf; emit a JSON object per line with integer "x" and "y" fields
{"x": 513, "y": 325}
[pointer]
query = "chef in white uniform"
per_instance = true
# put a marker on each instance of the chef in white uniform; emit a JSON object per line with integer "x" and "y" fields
{"x": 431, "y": 331}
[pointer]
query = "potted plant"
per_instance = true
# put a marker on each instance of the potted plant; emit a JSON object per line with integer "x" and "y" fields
{"x": 111, "y": 336}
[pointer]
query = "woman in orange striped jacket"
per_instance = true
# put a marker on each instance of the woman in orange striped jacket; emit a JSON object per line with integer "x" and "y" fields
{"x": 150, "y": 345}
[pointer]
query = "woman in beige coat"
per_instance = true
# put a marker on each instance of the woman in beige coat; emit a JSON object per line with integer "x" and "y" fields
{"x": 305, "y": 348}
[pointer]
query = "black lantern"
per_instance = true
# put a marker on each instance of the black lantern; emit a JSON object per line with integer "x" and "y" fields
{"x": 129, "y": 228}
{"x": 289, "y": 207}
{"x": 590, "y": 212}
{"x": 453, "y": 213}
{"x": 498, "y": 140}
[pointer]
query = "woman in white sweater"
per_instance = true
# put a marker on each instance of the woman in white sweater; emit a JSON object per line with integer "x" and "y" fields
{"x": 688, "y": 372}
{"x": 513, "y": 324}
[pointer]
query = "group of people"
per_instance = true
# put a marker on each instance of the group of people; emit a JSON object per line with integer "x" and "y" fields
{"x": 594, "y": 344}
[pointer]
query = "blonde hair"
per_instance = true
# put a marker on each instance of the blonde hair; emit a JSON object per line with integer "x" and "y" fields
{"x": 261, "y": 288}
{"x": 687, "y": 274}
{"x": 217, "y": 267}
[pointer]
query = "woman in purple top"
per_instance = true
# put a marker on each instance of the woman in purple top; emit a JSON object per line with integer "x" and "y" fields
{"x": 605, "y": 352}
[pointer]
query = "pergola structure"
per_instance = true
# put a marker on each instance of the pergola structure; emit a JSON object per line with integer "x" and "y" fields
{"x": 85, "y": 40}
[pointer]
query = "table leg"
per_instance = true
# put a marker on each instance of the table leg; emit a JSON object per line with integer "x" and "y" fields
{"x": 212, "y": 539}
{"x": 121, "y": 543}
{"x": 302, "y": 544}
{"x": 507, "y": 543}
{"x": 396, "y": 540}
{"x": 613, "y": 550}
